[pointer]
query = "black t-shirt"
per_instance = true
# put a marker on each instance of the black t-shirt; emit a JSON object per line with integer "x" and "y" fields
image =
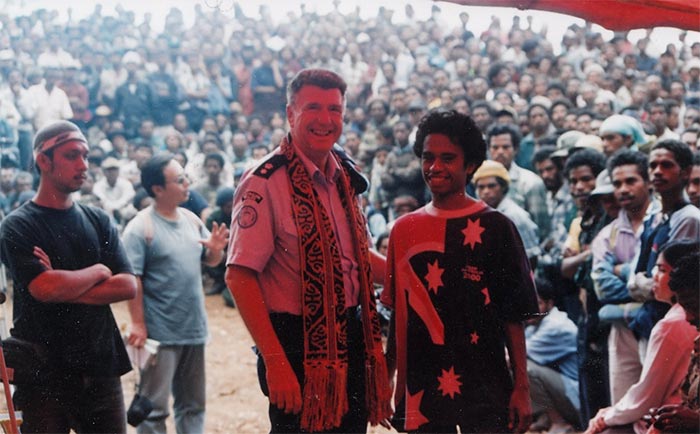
{"x": 80, "y": 338}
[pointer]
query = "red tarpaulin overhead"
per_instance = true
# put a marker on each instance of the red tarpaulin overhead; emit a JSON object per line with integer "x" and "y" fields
{"x": 613, "y": 14}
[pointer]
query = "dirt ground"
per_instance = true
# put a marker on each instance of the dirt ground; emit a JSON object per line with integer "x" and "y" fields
{"x": 234, "y": 401}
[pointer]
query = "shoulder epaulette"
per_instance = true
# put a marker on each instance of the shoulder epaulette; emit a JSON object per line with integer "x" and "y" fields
{"x": 266, "y": 169}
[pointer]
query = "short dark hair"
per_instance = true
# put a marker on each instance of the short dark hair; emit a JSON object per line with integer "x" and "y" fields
{"x": 499, "y": 129}
{"x": 560, "y": 101}
{"x": 681, "y": 151}
{"x": 483, "y": 104}
{"x": 674, "y": 250}
{"x": 696, "y": 159}
{"x": 381, "y": 237}
{"x": 152, "y": 171}
{"x": 585, "y": 157}
{"x": 684, "y": 281}
{"x": 544, "y": 153}
{"x": 537, "y": 104}
{"x": 323, "y": 78}
{"x": 545, "y": 289}
{"x": 625, "y": 157}
{"x": 459, "y": 128}
{"x": 216, "y": 157}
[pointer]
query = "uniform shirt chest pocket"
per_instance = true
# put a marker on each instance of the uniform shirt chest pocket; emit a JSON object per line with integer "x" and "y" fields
{"x": 287, "y": 235}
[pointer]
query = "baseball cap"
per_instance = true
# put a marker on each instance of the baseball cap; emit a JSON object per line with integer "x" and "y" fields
{"x": 603, "y": 184}
{"x": 566, "y": 142}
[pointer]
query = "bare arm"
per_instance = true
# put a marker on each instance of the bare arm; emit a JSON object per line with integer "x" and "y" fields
{"x": 91, "y": 285}
{"x": 64, "y": 286}
{"x": 285, "y": 392}
{"x": 570, "y": 264}
{"x": 519, "y": 407}
{"x": 119, "y": 287}
{"x": 378, "y": 267}
{"x": 138, "y": 332}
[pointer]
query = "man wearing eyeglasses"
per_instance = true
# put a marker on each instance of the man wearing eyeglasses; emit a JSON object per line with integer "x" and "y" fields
{"x": 67, "y": 265}
{"x": 166, "y": 245}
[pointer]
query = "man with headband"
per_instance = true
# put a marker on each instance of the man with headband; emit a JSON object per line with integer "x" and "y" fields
{"x": 67, "y": 264}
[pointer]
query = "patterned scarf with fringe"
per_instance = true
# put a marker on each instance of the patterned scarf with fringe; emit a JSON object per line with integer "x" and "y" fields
{"x": 324, "y": 392}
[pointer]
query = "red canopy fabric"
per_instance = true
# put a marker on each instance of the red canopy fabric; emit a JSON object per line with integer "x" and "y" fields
{"x": 613, "y": 14}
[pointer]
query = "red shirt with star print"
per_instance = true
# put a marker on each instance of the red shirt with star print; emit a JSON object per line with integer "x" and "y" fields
{"x": 454, "y": 278}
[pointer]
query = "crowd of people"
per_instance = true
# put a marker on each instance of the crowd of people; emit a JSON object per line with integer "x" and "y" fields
{"x": 591, "y": 154}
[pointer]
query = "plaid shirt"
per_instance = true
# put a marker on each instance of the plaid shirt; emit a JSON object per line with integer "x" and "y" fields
{"x": 528, "y": 191}
{"x": 561, "y": 208}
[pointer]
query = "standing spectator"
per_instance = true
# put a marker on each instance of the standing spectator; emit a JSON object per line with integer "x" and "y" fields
{"x": 194, "y": 80}
{"x": 581, "y": 170}
{"x": 659, "y": 111}
{"x": 166, "y": 245}
{"x": 267, "y": 84}
{"x": 212, "y": 182}
{"x": 540, "y": 127}
{"x": 244, "y": 73}
{"x": 52, "y": 102}
{"x": 693, "y": 187}
{"x": 621, "y": 132}
{"x": 670, "y": 163}
{"x": 115, "y": 191}
{"x": 54, "y": 56}
{"x": 133, "y": 101}
{"x": 402, "y": 173}
{"x": 455, "y": 309}
{"x": 613, "y": 249}
{"x": 492, "y": 181}
{"x": 164, "y": 92}
{"x": 67, "y": 265}
{"x": 77, "y": 95}
{"x": 526, "y": 189}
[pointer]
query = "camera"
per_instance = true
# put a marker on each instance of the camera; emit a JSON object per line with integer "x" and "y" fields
{"x": 139, "y": 409}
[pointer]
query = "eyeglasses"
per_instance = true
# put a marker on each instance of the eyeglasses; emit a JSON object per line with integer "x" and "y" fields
{"x": 179, "y": 180}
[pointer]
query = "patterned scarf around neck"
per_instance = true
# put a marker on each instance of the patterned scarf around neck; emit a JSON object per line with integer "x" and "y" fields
{"x": 324, "y": 392}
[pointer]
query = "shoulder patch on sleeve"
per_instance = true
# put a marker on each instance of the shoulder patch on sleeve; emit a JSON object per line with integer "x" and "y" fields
{"x": 266, "y": 169}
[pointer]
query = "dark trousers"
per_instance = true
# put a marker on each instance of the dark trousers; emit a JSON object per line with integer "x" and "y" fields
{"x": 289, "y": 329}
{"x": 81, "y": 403}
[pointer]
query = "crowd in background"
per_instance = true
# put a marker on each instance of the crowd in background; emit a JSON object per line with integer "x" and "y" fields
{"x": 213, "y": 94}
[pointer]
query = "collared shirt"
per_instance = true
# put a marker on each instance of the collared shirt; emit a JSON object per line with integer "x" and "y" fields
{"x": 264, "y": 233}
{"x": 528, "y": 191}
{"x": 560, "y": 206}
{"x": 52, "y": 106}
{"x": 617, "y": 243}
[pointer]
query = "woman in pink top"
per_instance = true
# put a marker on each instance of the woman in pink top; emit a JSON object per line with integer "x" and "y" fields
{"x": 667, "y": 358}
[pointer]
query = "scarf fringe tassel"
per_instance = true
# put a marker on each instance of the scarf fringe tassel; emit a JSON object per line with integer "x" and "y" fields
{"x": 377, "y": 388}
{"x": 325, "y": 395}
